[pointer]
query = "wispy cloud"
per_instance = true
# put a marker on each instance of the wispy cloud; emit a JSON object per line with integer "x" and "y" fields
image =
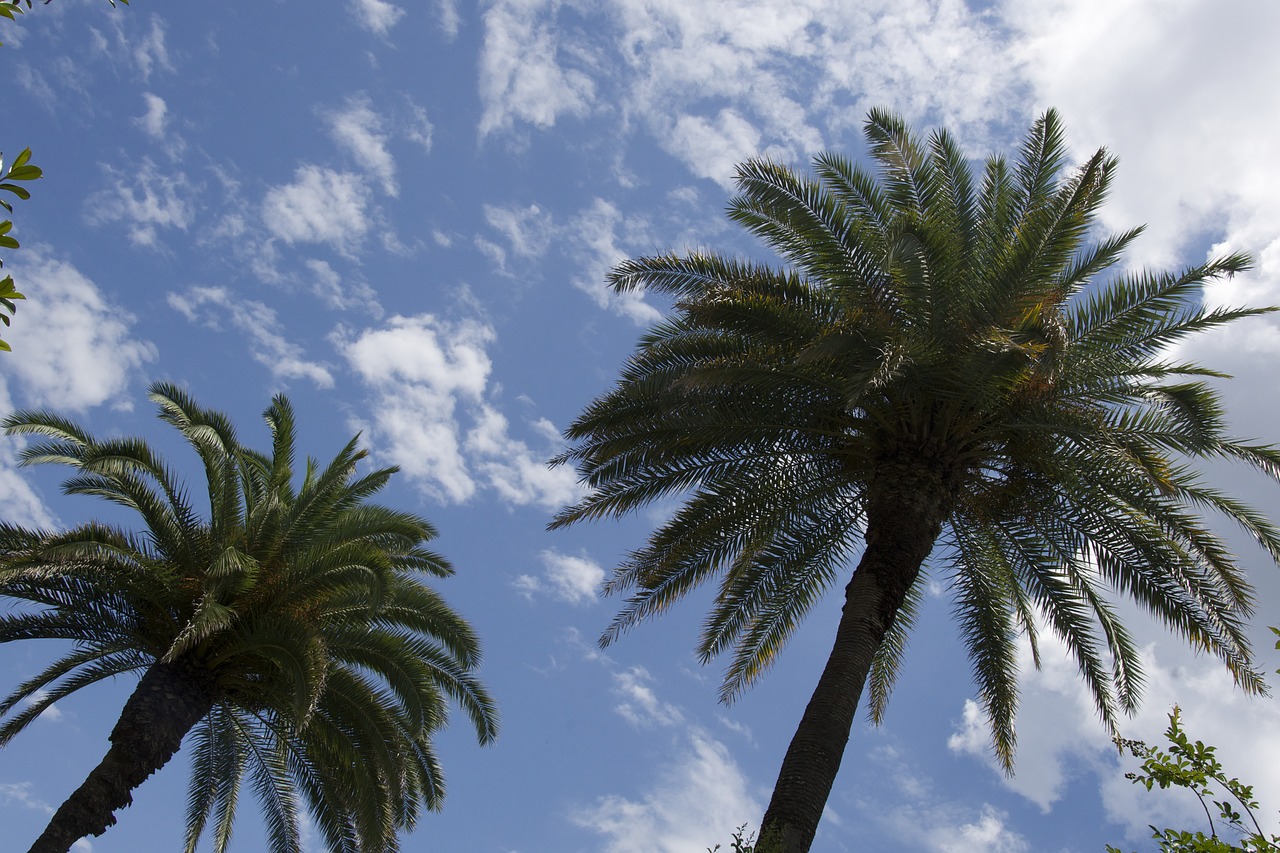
{"x": 917, "y": 815}
{"x": 147, "y": 200}
{"x": 20, "y": 793}
{"x": 377, "y": 16}
{"x": 594, "y": 240}
{"x": 153, "y": 121}
{"x": 696, "y": 801}
{"x": 285, "y": 360}
{"x": 639, "y": 704}
{"x": 361, "y": 132}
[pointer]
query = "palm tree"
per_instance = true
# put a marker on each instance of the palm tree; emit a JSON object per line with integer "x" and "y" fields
{"x": 289, "y": 630}
{"x": 935, "y": 373}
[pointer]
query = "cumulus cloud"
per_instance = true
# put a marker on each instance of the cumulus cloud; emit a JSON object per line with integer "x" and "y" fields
{"x": 517, "y": 472}
{"x": 1190, "y": 141}
{"x": 566, "y": 577}
{"x": 72, "y": 347}
{"x": 713, "y": 148}
{"x": 523, "y": 73}
{"x": 210, "y": 305}
{"x": 360, "y": 131}
{"x": 378, "y": 16}
{"x": 146, "y": 200}
{"x": 320, "y": 206}
{"x": 698, "y": 798}
{"x": 419, "y": 369}
{"x": 432, "y": 417}
{"x": 1198, "y": 123}
{"x": 1059, "y": 734}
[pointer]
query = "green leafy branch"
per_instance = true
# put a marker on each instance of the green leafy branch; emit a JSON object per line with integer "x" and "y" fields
{"x": 19, "y": 170}
{"x": 1194, "y": 766}
{"x": 742, "y": 843}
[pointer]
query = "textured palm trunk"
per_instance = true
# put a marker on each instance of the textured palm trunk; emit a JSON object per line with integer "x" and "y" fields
{"x": 902, "y": 525}
{"x": 168, "y": 701}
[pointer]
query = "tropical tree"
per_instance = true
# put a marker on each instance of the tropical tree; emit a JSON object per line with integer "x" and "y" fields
{"x": 933, "y": 372}
{"x": 289, "y": 631}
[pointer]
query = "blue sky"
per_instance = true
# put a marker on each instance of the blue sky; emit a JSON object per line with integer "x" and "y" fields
{"x": 402, "y": 214}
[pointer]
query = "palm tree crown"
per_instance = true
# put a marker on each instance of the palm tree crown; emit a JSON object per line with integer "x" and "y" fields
{"x": 935, "y": 371}
{"x": 289, "y": 629}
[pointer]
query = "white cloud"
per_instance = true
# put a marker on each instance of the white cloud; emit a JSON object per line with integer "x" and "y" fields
{"x": 72, "y": 346}
{"x": 419, "y": 368}
{"x": 154, "y": 119}
{"x": 988, "y": 834}
{"x": 146, "y": 199}
{"x": 697, "y": 800}
{"x": 269, "y": 347}
{"x": 712, "y": 149}
{"x": 521, "y": 75}
{"x": 1058, "y": 729}
{"x": 528, "y": 229}
{"x": 429, "y": 379}
{"x": 418, "y": 127}
{"x": 495, "y": 253}
{"x": 52, "y": 714}
{"x": 566, "y": 577}
{"x": 22, "y": 503}
{"x": 378, "y": 16}
{"x": 149, "y": 51}
{"x": 33, "y": 82}
{"x": 20, "y": 793}
{"x": 921, "y": 818}
{"x": 640, "y": 706}
{"x": 320, "y": 206}
{"x": 450, "y": 20}
{"x": 1192, "y": 145}
{"x": 593, "y": 239}
{"x": 1198, "y": 122}
{"x": 340, "y": 293}
{"x": 515, "y": 471}
{"x": 360, "y": 130}
{"x": 788, "y": 67}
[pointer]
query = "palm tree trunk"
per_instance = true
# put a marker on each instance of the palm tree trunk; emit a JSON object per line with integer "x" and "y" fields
{"x": 902, "y": 525}
{"x": 168, "y": 701}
